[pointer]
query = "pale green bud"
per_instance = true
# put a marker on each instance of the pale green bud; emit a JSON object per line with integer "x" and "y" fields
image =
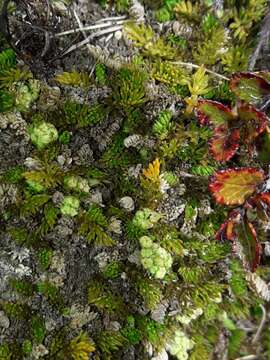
{"x": 70, "y": 206}
{"x": 76, "y": 183}
{"x": 42, "y": 134}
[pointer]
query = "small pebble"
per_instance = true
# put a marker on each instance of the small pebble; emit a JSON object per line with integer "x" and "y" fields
{"x": 127, "y": 203}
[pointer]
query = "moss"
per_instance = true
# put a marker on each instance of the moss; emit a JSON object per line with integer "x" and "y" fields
{"x": 112, "y": 270}
{"x": 23, "y": 287}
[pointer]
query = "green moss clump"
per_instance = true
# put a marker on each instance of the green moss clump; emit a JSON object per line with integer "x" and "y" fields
{"x": 43, "y": 134}
{"x": 70, "y": 206}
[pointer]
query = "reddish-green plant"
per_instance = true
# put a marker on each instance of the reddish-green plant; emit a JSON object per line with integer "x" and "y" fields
{"x": 245, "y": 190}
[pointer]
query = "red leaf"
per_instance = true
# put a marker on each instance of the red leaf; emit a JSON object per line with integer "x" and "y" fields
{"x": 234, "y": 186}
{"x": 249, "y": 87}
{"x": 246, "y": 235}
{"x": 262, "y": 203}
{"x": 238, "y": 229}
{"x": 253, "y": 121}
{"x": 213, "y": 113}
{"x": 226, "y": 229}
{"x": 224, "y": 143}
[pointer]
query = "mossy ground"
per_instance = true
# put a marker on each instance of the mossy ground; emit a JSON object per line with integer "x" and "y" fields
{"x": 129, "y": 160}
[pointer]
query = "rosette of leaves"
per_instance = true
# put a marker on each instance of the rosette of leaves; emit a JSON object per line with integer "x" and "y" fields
{"x": 243, "y": 124}
{"x": 230, "y": 127}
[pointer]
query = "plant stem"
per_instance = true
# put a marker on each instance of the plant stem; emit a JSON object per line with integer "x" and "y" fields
{"x": 194, "y": 66}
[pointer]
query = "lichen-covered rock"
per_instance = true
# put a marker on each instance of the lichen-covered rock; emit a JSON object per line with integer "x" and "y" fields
{"x": 127, "y": 203}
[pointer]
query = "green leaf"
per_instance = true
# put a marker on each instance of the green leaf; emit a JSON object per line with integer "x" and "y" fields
{"x": 249, "y": 87}
{"x": 234, "y": 186}
{"x": 213, "y": 113}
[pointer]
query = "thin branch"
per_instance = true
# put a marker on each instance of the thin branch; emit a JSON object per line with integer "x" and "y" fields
{"x": 262, "y": 323}
{"x": 81, "y": 27}
{"x": 194, "y": 66}
{"x": 89, "y": 38}
{"x": 248, "y": 357}
{"x": 112, "y": 18}
{"x": 90, "y": 27}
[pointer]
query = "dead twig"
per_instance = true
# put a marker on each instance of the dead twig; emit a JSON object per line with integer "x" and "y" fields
{"x": 194, "y": 66}
{"x": 262, "y": 323}
{"x": 90, "y": 27}
{"x": 90, "y": 37}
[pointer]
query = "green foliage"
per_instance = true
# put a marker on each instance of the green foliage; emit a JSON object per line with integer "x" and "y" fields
{"x": 235, "y": 59}
{"x": 33, "y": 204}
{"x": 82, "y": 115}
{"x": 236, "y": 339}
{"x": 5, "y": 352}
{"x": 144, "y": 38}
{"x": 27, "y": 347}
{"x": 23, "y": 287}
{"x": 210, "y": 51}
{"x": 245, "y": 16}
{"x": 210, "y": 251}
{"x": 6, "y": 101}
{"x": 150, "y": 291}
{"x": 65, "y": 137}
{"x": 22, "y": 236}
{"x": 80, "y": 347}
{"x": 51, "y": 293}
{"x": 100, "y": 73}
{"x": 163, "y": 124}
{"x": 112, "y": 270}
{"x": 129, "y": 88}
{"x": 38, "y": 329}
{"x": 104, "y": 299}
{"x": 132, "y": 334}
{"x": 49, "y": 219}
{"x": 44, "y": 258}
{"x": 13, "y": 175}
{"x": 237, "y": 281}
{"x": 7, "y": 60}
{"x": 48, "y": 176}
{"x": 150, "y": 329}
{"x": 174, "y": 76}
{"x": 110, "y": 341}
{"x": 192, "y": 275}
{"x": 93, "y": 225}
{"x": 74, "y": 78}
{"x": 187, "y": 10}
{"x": 122, "y": 5}
{"x": 15, "y": 310}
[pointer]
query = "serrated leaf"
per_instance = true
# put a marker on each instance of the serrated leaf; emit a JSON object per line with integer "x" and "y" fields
{"x": 249, "y": 87}
{"x": 246, "y": 235}
{"x": 234, "y": 186}
{"x": 213, "y": 113}
{"x": 252, "y": 120}
{"x": 224, "y": 143}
